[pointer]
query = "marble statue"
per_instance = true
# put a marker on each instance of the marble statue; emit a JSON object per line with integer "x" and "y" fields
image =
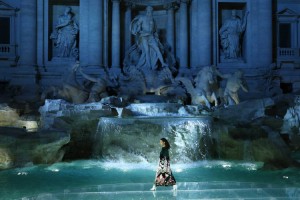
{"x": 70, "y": 90}
{"x": 291, "y": 120}
{"x": 230, "y": 35}
{"x": 197, "y": 96}
{"x": 234, "y": 82}
{"x": 144, "y": 28}
{"x": 132, "y": 83}
{"x": 206, "y": 81}
{"x": 74, "y": 92}
{"x": 65, "y": 34}
{"x": 67, "y": 92}
{"x": 205, "y": 86}
{"x": 147, "y": 64}
{"x": 98, "y": 87}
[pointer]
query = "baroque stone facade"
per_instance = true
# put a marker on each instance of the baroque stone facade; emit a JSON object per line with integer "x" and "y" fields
{"x": 189, "y": 29}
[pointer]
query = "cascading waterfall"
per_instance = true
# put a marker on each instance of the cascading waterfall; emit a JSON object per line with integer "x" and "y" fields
{"x": 190, "y": 139}
{"x": 136, "y": 139}
{"x": 247, "y": 151}
{"x": 119, "y": 110}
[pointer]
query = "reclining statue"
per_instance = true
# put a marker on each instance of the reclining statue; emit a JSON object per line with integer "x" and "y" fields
{"x": 98, "y": 88}
{"x": 70, "y": 90}
{"x": 73, "y": 92}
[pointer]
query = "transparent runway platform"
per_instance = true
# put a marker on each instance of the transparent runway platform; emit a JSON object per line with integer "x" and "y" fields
{"x": 186, "y": 190}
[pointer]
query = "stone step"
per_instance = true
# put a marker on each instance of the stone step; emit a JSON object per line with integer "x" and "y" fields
{"x": 186, "y": 190}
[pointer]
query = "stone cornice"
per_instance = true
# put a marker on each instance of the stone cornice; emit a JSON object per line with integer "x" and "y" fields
{"x": 7, "y": 7}
{"x": 151, "y": 2}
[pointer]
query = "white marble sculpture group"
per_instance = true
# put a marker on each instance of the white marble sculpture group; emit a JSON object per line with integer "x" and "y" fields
{"x": 150, "y": 68}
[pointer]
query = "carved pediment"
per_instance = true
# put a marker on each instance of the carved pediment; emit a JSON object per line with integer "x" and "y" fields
{"x": 5, "y": 6}
{"x": 287, "y": 12}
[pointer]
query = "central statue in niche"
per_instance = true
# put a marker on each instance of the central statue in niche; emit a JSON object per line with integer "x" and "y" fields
{"x": 144, "y": 28}
{"x": 148, "y": 61}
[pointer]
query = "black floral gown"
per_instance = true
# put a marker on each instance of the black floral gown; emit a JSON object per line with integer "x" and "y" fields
{"x": 164, "y": 176}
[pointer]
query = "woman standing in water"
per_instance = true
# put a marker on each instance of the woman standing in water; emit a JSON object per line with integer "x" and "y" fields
{"x": 164, "y": 176}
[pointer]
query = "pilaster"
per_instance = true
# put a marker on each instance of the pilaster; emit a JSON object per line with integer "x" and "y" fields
{"x": 265, "y": 27}
{"x": 201, "y": 30}
{"x": 115, "y": 33}
{"x": 84, "y": 32}
{"x": 183, "y": 34}
{"x": 95, "y": 32}
{"x": 127, "y": 33}
{"x": 105, "y": 33}
{"x": 28, "y": 46}
{"x": 170, "y": 35}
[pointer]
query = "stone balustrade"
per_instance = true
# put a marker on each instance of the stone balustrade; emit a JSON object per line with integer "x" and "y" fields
{"x": 8, "y": 51}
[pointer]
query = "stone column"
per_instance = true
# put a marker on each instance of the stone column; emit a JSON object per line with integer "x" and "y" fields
{"x": 95, "y": 32}
{"x": 170, "y": 35}
{"x": 40, "y": 33}
{"x": 183, "y": 34}
{"x": 194, "y": 32}
{"x": 115, "y": 47}
{"x": 105, "y": 33}
{"x": 127, "y": 32}
{"x": 28, "y": 44}
{"x": 201, "y": 33}
{"x": 265, "y": 32}
{"x": 84, "y": 32}
{"x": 258, "y": 33}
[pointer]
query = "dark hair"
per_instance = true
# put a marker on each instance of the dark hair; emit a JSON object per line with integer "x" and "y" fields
{"x": 167, "y": 144}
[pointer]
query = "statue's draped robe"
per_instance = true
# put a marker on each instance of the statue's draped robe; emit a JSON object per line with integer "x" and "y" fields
{"x": 151, "y": 40}
{"x": 67, "y": 33}
{"x": 230, "y": 34}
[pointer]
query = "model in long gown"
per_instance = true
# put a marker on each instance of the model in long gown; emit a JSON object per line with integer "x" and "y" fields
{"x": 164, "y": 175}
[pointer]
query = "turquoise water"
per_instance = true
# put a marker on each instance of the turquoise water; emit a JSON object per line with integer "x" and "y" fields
{"x": 94, "y": 179}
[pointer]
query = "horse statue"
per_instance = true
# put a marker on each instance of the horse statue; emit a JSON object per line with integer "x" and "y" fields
{"x": 206, "y": 82}
{"x": 197, "y": 96}
{"x": 204, "y": 91}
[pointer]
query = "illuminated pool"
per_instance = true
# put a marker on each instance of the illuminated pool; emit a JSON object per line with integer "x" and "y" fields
{"x": 94, "y": 179}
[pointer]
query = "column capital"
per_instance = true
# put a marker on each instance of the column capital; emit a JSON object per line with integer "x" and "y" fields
{"x": 129, "y": 5}
{"x": 170, "y": 6}
{"x": 184, "y": 1}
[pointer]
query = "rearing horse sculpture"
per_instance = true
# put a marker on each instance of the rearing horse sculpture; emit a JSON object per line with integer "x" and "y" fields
{"x": 206, "y": 82}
